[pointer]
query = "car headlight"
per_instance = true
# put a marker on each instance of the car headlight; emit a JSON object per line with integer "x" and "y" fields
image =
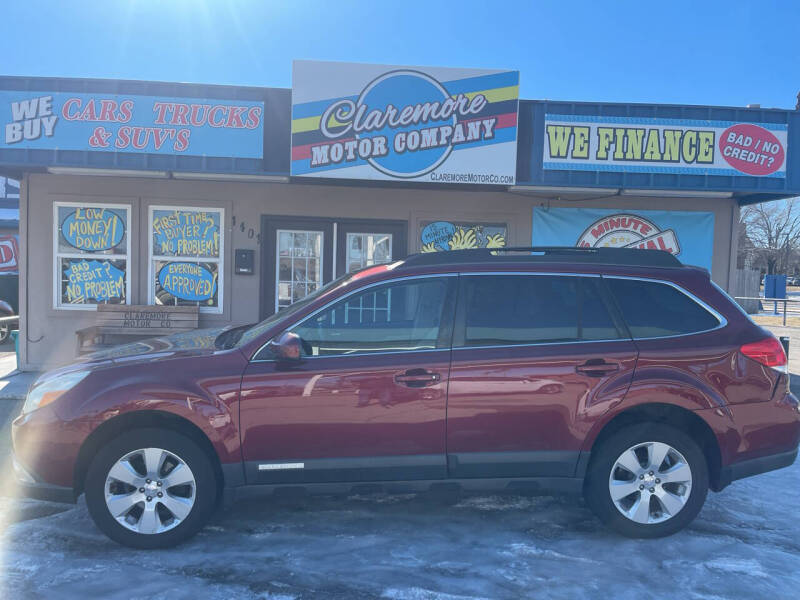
{"x": 48, "y": 391}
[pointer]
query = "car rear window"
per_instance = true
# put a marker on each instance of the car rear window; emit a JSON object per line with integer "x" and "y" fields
{"x": 528, "y": 309}
{"x": 654, "y": 309}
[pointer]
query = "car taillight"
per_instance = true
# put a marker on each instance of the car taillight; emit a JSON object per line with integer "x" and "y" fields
{"x": 769, "y": 352}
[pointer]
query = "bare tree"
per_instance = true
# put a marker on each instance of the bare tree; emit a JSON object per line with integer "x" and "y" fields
{"x": 773, "y": 228}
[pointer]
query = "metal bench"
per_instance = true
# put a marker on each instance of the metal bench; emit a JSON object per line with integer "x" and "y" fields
{"x": 121, "y": 323}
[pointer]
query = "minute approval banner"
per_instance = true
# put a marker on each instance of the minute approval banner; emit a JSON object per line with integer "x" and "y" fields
{"x": 654, "y": 145}
{"x": 689, "y": 235}
{"x": 443, "y": 125}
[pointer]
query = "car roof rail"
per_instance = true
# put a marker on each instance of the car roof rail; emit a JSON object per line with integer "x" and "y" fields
{"x": 546, "y": 254}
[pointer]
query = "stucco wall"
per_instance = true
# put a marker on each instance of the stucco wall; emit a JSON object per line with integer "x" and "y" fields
{"x": 49, "y": 334}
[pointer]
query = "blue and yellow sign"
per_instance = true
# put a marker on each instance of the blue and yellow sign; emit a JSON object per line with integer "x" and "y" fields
{"x": 188, "y": 281}
{"x": 187, "y": 233}
{"x": 93, "y": 229}
{"x": 444, "y": 235}
{"x": 97, "y": 280}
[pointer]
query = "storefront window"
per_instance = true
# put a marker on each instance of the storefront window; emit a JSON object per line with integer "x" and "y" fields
{"x": 367, "y": 249}
{"x": 436, "y": 236}
{"x": 186, "y": 267}
{"x": 299, "y": 270}
{"x": 92, "y": 251}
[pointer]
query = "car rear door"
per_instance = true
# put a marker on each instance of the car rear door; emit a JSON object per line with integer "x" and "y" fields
{"x": 367, "y": 400}
{"x": 536, "y": 357}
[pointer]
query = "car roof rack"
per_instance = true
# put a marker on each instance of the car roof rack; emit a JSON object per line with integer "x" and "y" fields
{"x": 546, "y": 254}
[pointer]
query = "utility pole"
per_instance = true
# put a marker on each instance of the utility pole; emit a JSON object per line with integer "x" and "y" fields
{"x": 786, "y": 260}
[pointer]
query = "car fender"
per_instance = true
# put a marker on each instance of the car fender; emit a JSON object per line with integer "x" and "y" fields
{"x": 203, "y": 390}
{"x": 662, "y": 385}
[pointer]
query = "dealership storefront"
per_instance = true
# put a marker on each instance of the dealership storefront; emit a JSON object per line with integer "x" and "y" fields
{"x": 243, "y": 200}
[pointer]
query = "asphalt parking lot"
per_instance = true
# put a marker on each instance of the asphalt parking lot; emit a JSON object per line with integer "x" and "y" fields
{"x": 744, "y": 544}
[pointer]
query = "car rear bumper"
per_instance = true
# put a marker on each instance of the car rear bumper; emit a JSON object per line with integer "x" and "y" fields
{"x": 756, "y": 466}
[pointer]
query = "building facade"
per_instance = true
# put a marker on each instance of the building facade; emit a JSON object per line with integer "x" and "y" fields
{"x": 243, "y": 200}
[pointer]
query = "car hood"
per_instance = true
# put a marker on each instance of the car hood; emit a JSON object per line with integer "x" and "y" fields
{"x": 199, "y": 342}
{"x": 189, "y": 343}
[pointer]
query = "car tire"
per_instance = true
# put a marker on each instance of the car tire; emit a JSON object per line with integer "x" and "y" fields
{"x": 664, "y": 497}
{"x": 159, "y": 483}
{"x": 5, "y": 329}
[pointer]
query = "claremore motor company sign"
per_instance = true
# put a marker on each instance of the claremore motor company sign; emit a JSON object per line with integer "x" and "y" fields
{"x": 439, "y": 125}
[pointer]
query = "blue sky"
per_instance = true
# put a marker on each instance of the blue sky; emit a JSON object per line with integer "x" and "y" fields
{"x": 694, "y": 52}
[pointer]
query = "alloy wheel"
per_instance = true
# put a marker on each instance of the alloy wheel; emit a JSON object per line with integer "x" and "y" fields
{"x": 650, "y": 482}
{"x": 150, "y": 490}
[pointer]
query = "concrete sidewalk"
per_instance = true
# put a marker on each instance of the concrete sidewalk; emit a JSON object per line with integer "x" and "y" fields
{"x": 13, "y": 388}
{"x": 13, "y": 384}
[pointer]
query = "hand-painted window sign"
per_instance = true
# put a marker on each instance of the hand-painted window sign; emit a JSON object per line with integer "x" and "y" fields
{"x": 192, "y": 233}
{"x": 401, "y": 123}
{"x": 188, "y": 281}
{"x": 92, "y": 280}
{"x": 444, "y": 235}
{"x": 93, "y": 229}
{"x": 130, "y": 123}
{"x": 650, "y": 145}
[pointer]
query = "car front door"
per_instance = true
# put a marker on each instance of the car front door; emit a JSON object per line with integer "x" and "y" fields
{"x": 367, "y": 399}
{"x": 535, "y": 357}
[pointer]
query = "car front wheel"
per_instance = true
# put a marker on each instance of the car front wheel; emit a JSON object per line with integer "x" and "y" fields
{"x": 150, "y": 488}
{"x": 648, "y": 480}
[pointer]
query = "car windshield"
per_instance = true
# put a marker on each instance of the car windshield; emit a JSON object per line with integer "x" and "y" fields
{"x": 248, "y": 335}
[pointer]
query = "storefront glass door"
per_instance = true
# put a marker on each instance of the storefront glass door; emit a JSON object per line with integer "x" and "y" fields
{"x": 367, "y": 249}
{"x": 299, "y": 265}
{"x": 366, "y": 242}
{"x": 300, "y": 254}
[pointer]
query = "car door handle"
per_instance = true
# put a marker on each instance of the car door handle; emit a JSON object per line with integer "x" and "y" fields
{"x": 597, "y": 368}
{"x": 417, "y": 378}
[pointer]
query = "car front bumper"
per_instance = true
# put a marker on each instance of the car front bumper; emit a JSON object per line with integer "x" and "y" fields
{"x": 27, "y": 485}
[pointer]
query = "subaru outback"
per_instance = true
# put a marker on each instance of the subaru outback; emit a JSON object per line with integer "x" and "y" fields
{"x": 620, "y": 374}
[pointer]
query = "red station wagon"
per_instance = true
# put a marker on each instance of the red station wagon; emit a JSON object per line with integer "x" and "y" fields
{"x": 619, "y": 373}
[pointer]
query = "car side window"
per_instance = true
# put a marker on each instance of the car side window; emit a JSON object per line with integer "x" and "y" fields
{"x": 654, "y": 309}
{"x": 595, "y": 320}
{"x": 528, "y": 309}
{"x": 393, "y": 317}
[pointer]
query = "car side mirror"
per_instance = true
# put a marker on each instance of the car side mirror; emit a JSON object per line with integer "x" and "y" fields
{"x": 287, "y": 347}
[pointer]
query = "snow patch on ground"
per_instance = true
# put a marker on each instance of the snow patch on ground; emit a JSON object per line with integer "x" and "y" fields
{"x": 420, "y": 594}
{"x": 535, "y": 551}
{"x": 493, "y": 503}
{"x": 736, "y": 566}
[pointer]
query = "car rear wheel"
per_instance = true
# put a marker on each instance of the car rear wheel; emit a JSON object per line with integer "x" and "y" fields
{"x": 150, "y": 488}
{"x": 648, "y": 480}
